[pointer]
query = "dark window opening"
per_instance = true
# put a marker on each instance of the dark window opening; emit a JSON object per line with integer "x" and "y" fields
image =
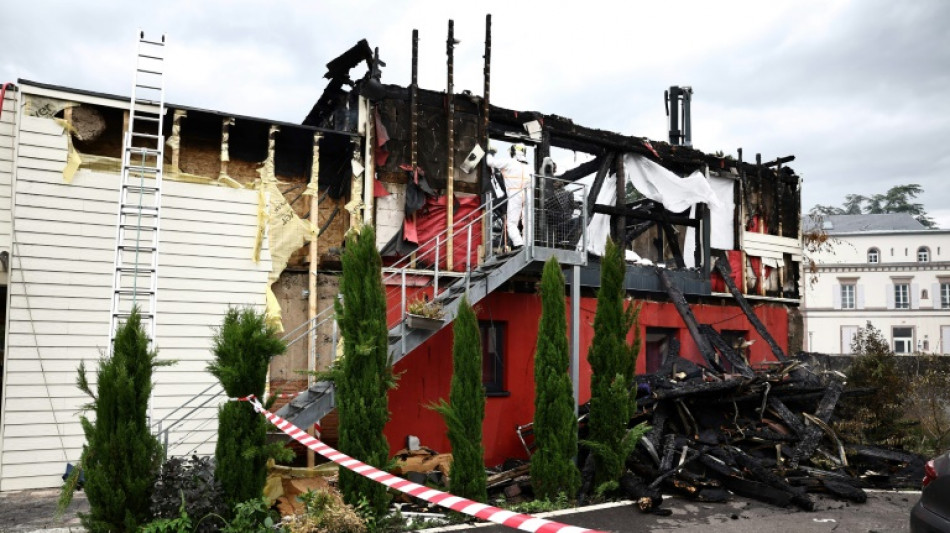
{"x": 658, "y": 347}
{"x": 493, "y": 357}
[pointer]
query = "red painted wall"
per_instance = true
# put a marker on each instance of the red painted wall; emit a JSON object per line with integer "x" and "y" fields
{"x": 426, "y": 373}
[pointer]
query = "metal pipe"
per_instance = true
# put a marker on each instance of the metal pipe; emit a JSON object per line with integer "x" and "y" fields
{"x": 403, "y": 302}
{"x": 468, "y": 257}
{"x": 576, "y": 333}
{"x": 438, "y": 242}
{"x": 450, "y": 144}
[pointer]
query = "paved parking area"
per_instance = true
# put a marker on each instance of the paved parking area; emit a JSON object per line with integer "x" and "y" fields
{"x": 35, "y": 510}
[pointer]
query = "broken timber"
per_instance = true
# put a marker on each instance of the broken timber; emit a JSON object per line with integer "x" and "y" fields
{"x": 722, "y": 266}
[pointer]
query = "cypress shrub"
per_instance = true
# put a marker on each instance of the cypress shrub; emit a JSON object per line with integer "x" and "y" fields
{"x": 555, "y": 427}
{"x": 465, "y": 411}
{"x": 243, "y": 348}
{"x": 613, "y": 369}
{"x": 363, "y": 376}
{"x": 121, "y": 458}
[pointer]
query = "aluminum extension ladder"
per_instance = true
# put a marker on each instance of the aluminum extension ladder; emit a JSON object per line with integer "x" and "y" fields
{"x": 135, "y": 277}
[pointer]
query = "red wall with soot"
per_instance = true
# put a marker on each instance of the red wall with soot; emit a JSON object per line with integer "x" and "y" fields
{"x": 426, "y": 373}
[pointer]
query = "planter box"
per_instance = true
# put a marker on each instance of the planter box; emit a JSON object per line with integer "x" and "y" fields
{"x": 421, "y": 322}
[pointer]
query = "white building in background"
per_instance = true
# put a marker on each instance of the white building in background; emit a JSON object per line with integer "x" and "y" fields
{"x": 888, "y": 270}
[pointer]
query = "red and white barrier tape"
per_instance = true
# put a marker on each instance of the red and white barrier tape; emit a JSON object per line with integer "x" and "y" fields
{"x": 472, "y": 508}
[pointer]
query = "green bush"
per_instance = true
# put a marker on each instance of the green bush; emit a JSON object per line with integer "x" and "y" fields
{"x": 465, "y": 411}
{"x": 613, "y": 368}
{"x": 121, "y": 457}
{"x": 363, "y": 376}
{"x": 553, "y": 471}
{"x": 243, "y": 348}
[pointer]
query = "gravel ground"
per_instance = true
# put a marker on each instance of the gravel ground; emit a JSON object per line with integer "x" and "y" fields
{"x": 31, "y": 511}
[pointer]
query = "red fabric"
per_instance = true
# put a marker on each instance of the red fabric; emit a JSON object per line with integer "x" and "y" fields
{"x": 735, "y": 266}
{"x": 431, "y": 221}
{"x": 379, "y": 190}
{"x": 382, "y": 137}
{"x": 409, "y": 232}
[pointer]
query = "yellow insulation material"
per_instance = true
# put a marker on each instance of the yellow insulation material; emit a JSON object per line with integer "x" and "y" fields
{"x": 73, "y": 159}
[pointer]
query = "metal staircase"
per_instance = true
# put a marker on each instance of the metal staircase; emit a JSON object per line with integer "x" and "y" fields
{"x": 135, "y": 277}
{"x": 545, "y": 237}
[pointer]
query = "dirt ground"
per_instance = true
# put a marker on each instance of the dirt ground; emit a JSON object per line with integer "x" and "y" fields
{"x": 35, "y": 510}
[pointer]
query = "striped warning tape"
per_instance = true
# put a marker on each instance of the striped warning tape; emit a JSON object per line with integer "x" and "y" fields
{"x": 472, "y": 508}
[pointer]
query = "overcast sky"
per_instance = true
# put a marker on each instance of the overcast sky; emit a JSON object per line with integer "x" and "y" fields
{"x": 858, "y": 91}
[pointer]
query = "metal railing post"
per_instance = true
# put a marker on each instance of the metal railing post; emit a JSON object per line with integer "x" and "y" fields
{"x": 403, "y": 302}
{"x": 489, "y": 218}
{"x": 438, "y": 242}
{"x": 529, "y": 216}
{"x": 468, "y": 257}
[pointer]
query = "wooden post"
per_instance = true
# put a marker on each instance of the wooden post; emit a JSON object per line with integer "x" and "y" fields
{"x": 226, "y": 124}
{"x": 450, "y": 147}
{"x": 620, "y": 220}
{"x": 483, "y": 136}
{"x": 414, "y": 121}
{"x": 312, "y": 275}
{"x": 175, "y": 140}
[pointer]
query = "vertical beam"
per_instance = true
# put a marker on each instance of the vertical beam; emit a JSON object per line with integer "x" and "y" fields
{"x": 369, "y": 160}
{"x": 312, "y": 274}
{"x": 414, "y": 121}
{"x": 174, "y": 141}
{"x": 598, "y": 183}
{"x": 483, "y": 173}
{"x": 620, "y": 220}
{"x": 226, "y": 124}
{"x": 450, "y": 146}
{"x": 707, "y": 237}
{"x": 576, "y": 334}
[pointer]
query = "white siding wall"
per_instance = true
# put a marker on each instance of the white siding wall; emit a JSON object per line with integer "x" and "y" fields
{"x": 7, "y": 124}
{"x": 60, "y": 297}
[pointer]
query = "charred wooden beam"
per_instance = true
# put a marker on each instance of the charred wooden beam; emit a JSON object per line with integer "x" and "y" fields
{"x": 754, "y": 467}
{"x": 682, "y": 306}
{"x": 620, "y": 219}
{"x": 779, "y": 161}
{"x": 723, "y": 267}
{"x": 738, "y": 364}
{"x": 699, "y": 388}
{"x": 583, "y": 170}
{"x": 787, "y": 416}
{"x": 674, "y": 245}
{"x": 598, "y": 183}
{"x": 640, "y": 214}
{"x": 806, "y": 447}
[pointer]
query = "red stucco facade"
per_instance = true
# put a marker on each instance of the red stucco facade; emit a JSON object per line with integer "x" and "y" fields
{"x": 426, "y": 373}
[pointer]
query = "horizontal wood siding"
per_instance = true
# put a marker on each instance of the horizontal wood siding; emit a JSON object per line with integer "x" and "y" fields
{"x": 7, "y": 132}
{"x": 61, "y": 285}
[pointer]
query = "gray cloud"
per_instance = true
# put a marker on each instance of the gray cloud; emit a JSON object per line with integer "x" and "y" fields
{"x": 856, "y": 90}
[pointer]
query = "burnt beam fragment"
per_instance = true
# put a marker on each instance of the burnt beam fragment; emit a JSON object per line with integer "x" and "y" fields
{"x": 641, "y": 214}
{"x": 738, "y": 364}
{"x": 722, "y": 266}
{"x": 679, "y": 302}
{"x": 598, "y": 184}
{"x": 806, "y": 447}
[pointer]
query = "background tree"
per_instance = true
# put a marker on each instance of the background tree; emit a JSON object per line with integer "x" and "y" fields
{"x": 363, "y": 376}
{"x": 874, "y": 418}
{"x": 243, "y": 348}
{"x": 555, "y": 427}
{"x": 121, "y": 457}
{"x": 613, "y": 367}
{"x": 465, "y": 411}
{"x": 897, "y": 199}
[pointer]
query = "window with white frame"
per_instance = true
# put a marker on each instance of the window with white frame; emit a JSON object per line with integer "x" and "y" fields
{"x": 847, "y": 296}
{"x": 945, "y": 295}
{"x": 874, "y": 255}
{"x": 902, "y": 296}
{"x": 903, "y": 340}
{"x": 923, "y": 254}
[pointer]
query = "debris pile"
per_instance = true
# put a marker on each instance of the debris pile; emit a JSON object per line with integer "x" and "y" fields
{"x": 762, "y": 433}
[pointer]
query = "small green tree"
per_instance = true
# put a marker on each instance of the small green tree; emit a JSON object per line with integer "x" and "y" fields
{"x": 363, "y": 376}
{"x": 613, "y": 369}
{"x": 121, "y": 457}
{"x": 555, "y": 427}
{"x": 465, "y": 411}
{"x": 243, "y": 348}
{"x": 874, "y": 418}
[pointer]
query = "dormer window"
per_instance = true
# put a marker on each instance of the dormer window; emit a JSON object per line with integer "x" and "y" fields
{"x": 923, "y": 254}
{"x": 874, "y": 255}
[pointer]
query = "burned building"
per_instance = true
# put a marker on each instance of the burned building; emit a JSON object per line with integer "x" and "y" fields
{"x": 255, "y": 212}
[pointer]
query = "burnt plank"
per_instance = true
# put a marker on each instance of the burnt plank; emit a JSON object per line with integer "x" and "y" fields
{"x": 793, "y": 421}
{"x": 738, "y": 364}
{"x": 598, "y": 183}
{"x": 679, "y": 302}
{"x": 690, "y": 389}
{"x": 806, "y": 447}
{"x": 723, "y": 267}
